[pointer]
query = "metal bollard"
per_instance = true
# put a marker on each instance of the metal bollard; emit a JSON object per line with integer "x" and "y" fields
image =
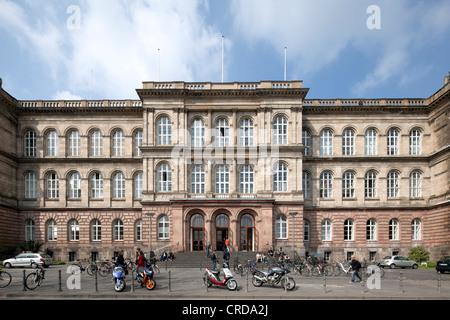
{"x": 324, "y": 282}
{"x": 439, "y": 282}
{"x": 401, "y": 282}
{"x": 170, "y": 285}
{"x": 24, "y": 281}
{"x": 96, "y": 284}
{"x": 59, "y": 281}
{"x": 132, "y": 280}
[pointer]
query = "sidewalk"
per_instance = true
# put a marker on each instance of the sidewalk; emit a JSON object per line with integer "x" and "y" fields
{"x": 187, "y": 284}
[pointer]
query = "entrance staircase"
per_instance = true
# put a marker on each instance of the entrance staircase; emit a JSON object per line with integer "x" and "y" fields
{"x": 199, "y": 260}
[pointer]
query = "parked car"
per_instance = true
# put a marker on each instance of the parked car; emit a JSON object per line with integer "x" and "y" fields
{"x": 398, "y": 261}
{"x": 28, "y": 259}
{"x": 443, "y": 264}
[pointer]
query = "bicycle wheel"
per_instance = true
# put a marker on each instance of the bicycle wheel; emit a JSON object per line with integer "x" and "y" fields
{"x": 103, "y": 270}
{"x": 91, "y": 269}
{"x": 5, "y": 279}
{"x": 156, "y": 268}
{"x": 32, "y": 281}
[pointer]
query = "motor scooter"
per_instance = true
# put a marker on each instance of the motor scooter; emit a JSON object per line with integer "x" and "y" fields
{"x": 118, "y": 278}
{"x": 213, "y": 277}
{"x": 146, "y": 277}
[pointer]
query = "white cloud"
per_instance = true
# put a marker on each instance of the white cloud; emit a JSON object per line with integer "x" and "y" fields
{"x": 66, "y": 95}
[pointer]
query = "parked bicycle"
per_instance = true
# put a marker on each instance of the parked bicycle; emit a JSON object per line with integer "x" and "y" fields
{"x": 104, "y": 268}
{"x": 35, "y": 279}
{"x": 90, "y": 268}
{"x": 237, "y": 267}
{"x": 5, "y": 279}
{"x": 154, "y": 265}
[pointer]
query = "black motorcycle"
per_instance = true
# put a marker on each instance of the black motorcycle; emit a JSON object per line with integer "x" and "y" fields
{"x": 274, "y": 276}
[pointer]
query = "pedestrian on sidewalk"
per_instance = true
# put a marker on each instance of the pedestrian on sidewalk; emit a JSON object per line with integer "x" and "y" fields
{"x": 356, "y": 266}
{"x": 208, "y": 247}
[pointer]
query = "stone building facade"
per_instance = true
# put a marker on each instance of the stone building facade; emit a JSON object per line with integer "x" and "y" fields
{"x": 257, "y": 163}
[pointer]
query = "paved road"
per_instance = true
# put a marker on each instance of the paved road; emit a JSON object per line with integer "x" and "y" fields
{"x": 179, "y": 283}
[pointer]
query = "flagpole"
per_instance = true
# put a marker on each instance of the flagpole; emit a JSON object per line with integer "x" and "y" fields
{"x": 284, "y": 63}
{"x": 222, "y": 58}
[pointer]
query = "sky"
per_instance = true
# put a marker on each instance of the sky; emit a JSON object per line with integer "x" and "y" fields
{"x": 105, "y": 49}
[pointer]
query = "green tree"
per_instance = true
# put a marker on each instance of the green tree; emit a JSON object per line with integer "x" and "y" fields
{"x": 30, "y": 246}
{"x": 419, "y": 254}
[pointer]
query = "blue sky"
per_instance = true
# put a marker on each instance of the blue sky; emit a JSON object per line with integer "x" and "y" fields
{"x": 105, "y": 49}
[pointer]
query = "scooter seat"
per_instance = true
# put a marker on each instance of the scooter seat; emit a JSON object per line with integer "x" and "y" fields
{"x": 213, "y": 271}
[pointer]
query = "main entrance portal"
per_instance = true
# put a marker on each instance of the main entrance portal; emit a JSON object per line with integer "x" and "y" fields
{"x": 197, "y": 233}
{"x": 222, "y": 226}
{"x": 247, "y": 233}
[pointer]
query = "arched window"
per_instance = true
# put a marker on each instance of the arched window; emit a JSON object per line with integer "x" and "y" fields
{"x": 138, "y": 141}
{"x": 30, "y": 186}
{"x": 52, "y": 230}
{"x": 370, "y": 184}
{"x": 163, "y": 228}
{"x": 349, "y": 231}
{"x": 30, "y": 144}
{"x": 371, "y": 230}
{"x": 222, "y": 221}
{"x": 198, "y": 179}
{"x": 96, "y": 230}
{"x": 306, "y": 141}
{"x": 138, "y": 230}
{"x": 118, "y": 230}
{"x": 197, "y": 221}
{"x": 306, "y": 230}
{"x": 370, "y": 140}
{"x": 326, "y": 185}
{"x": 392, "y": 184}
{"x": 416, "y": 229}
{"x": 164, "y": 131}
{"x": 415, "y": 184}
{"x": 118, "y": 143}
{"x": 52, "y": 185}
{"x": 119, "y": 186}
{"x": 306, "y": 184}
{"x": 281, "y": 227}
{"x": 74, "y": 143}
{"x": 222, "y": 179}
{"x": 348, "y": 185}
{"x": 52, "y": 144}
{"x": 280, "y": 177}
{"x": 96, "y": 185}
{"x": 197, "y": 133}
{"x": 326, "y": 142}
{"x": 96, "y": 143}
{"x": 74, "y": 230}
{"x": 74, "y": 185}
{"x": 393, "y": 142}
{"x": 246, "y": 179}
{"x": 138, "y": 185}
{"x": 348, "y": 142}
{"x": 280, "y": 130}
{"x": 29, "y": 230}
{"x": 415, "y": 142}
{"x": 326, "y": 230}
{"x": 164, "y": 178}
{"x": 222, "y": 133}
{"x": 246, "y": 133}
{"x": 394, "y": 231}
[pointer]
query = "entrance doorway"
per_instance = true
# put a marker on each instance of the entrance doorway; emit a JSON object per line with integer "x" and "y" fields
{"x": 197, "y": 233}
{"x": 222, "y": 227}
{"x": 247, "y": 233}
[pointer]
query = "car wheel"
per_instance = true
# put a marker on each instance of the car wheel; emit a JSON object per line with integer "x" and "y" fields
{"x": 415, "y": 266}
{"x": 8, "y": 265}
{"x": 392, "y": 266}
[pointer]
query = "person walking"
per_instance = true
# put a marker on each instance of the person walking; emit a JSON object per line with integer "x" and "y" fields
{"x": 214, "y": 259}
{"x": 208, "y": 247}
{"x": 356, "y": 266}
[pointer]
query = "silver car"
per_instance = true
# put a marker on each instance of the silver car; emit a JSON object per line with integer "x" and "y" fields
{"x": 29, "y": 259}
{"x": 398, "y": 261}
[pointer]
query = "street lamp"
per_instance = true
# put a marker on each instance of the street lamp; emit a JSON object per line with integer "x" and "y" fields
{"x": 150, "y": 216}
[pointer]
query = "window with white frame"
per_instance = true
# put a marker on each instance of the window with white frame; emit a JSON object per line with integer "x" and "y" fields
{"x": 416, "y": 230}
{"x": 222, "y": 138}
{"x": 393, "y": 142}
{"x": 370, "y": 184}
{"x": 197, "y": 133}
{"x": 138, "y": 185}
{"x": 30, "y": 186}
{"x": 306, "y": 184}
{"x": 326, "y": 142}
{"x": 164, "y": 131}
{"x": 96, "y": 143}
{"x": 164, "y": 178}
{"x": 74, "y": 143}
{"x": 163, "y": 228}
{"x": 118, "y": 230}
{"x": 52, "y": 185}
{"x": 306, "y": 141}
{"x": 222, "y": 179}
{"x": 138, "y": 230}
{"x": 306, "y": 230}
{"x": 415, "y": 142}
{"x": 348, "y": 185}
{"x": 392, "y": 184}
{"x": 348, "y": 142}
{"x": 326, "y": 185}
{"x": 370, "y": 142}
{"x": 280, "y": 130}
{"x": 29, "y": 230}
{"x": 96, "y": 230}
{"x": 119, "y": 186}
{"x": 349, "y": 232}
{"x": 96, "y": 185}
{"x": 198, "y": 179}
{"x": 52, "y": 230}
{"x": 74, "y": 230}
{"x": 138, "y": 141}
{"x": 280, "y": 177}
{"x": 281, "y": 227}
{"x": 52, "y": 144}
{"x": 326, "y": 230}
{"x": 371, "y": 230}
{"x": 30, "y": 144}
{"x": 394, "y": 229}
{"x": 246, "y": 138}
{"x": 118, "y": 143}
{"x": 246, "y": 179}
{"x": 74, "y": 185}
{"x": 415, "y": 184}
